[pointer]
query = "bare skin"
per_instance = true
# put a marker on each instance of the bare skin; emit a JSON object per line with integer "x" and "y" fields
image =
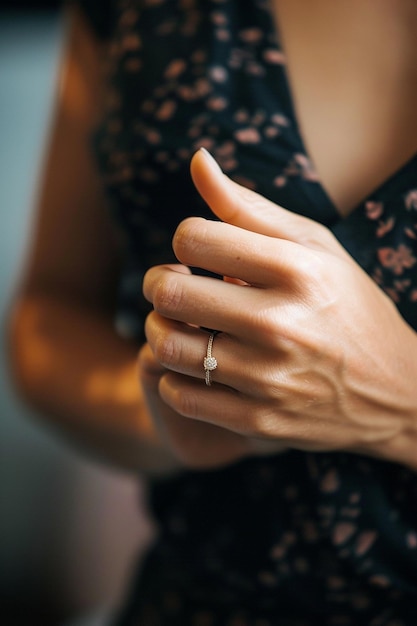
{"x": 67, "y": 359}
{"x": 352, "y": 67}
{"x": 64, "y": 308}
{"x": 355, "y": 98}
{"x": 300, "y": 363}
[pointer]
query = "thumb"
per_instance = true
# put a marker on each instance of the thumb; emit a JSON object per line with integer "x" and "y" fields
{"x": 246, "y": 209}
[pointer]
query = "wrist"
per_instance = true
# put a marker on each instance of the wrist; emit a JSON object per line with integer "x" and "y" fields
{"x": 401, "y": 446}
{"x": 400, "y": 449}
{"x": 398, "y": 410}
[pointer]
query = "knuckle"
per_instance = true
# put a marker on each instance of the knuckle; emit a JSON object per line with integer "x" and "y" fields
{"x": 308, "y": 266}
{"x": 261, "y": 423}
{"x": 166, "y": 350}
{"x": 314, "y": 235}
{"x": 270, "y": 387}
{"x": 310, "y": 271}
{"x": 168, "y": 294}
{"x": 188, "y": 237}
{"x": 264, "y": 323}
{"x": 268, "y": 424}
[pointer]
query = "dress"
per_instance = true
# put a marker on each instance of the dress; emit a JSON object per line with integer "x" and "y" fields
{"x": 300, "y": 538}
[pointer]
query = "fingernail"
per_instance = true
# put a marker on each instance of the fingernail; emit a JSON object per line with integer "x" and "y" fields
{"x": 210, "y": 158}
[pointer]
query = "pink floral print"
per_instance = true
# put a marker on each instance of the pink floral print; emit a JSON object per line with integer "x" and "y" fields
{"x": 300, "y": 539}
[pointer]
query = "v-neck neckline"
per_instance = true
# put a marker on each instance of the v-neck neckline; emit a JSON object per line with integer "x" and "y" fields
{"x": 389, "y": 186}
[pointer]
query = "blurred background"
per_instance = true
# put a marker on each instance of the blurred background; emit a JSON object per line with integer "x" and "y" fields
{"x": 70, "y": 530}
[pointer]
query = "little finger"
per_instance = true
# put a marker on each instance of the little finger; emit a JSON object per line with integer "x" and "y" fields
{"x": 223, "y": 406}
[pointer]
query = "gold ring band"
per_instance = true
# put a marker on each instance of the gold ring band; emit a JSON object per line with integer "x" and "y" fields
{"x": 210, "y": 362}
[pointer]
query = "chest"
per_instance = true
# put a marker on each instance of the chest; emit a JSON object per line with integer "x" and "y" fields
{"x": 352, "y": 68}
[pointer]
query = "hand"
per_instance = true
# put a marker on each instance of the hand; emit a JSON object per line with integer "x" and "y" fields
{"x": 195, "y": 444}
{"x": 311, "y": 353}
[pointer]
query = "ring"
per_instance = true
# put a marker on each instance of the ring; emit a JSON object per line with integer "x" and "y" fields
{"x": 210, "y": 362}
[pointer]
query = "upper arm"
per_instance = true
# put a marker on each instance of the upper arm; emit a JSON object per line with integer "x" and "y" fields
{"x": 74, "y": 252}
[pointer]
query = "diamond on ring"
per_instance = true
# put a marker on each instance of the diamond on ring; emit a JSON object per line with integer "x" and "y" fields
{"x": 210, "y": 362}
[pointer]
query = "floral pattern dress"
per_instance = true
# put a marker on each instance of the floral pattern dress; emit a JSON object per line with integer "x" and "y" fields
{"x": 300, "y": 538}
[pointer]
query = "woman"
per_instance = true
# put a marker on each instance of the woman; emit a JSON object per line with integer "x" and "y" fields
{"x": 296, "y": 415}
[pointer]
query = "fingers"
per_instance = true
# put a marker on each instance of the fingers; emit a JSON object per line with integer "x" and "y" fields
{"x": 188, "y": 397}
{"x": 222, "y": 406}
{"x": 149, "y": 367}
{"x": 257, "y": 317}
{"x": 292, "y": 274}
{"x": 198, "y": 300}
{"x": 242, "y": 207}
{"x": 228, "y": 250}
{"x": 182, "y": 349}
{"x": 253, "y": 418}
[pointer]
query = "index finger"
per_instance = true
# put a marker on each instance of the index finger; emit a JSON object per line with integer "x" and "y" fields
{"x": 243, "y": 207}
{"x": 231, "y": 251}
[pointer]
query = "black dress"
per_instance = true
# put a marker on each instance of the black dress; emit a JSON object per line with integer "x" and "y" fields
{"x": 299, "y": 538}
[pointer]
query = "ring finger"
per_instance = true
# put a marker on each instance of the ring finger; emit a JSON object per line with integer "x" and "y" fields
{"x": 182, "y": 348}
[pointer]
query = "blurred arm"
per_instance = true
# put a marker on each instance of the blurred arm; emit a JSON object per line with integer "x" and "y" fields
{"x": 66, "y": 358}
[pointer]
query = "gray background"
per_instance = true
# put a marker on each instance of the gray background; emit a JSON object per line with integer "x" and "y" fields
{"x": 69, "y": 530}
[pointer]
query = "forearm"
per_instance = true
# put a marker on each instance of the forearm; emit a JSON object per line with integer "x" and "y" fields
{"x": 71, "y": 366}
